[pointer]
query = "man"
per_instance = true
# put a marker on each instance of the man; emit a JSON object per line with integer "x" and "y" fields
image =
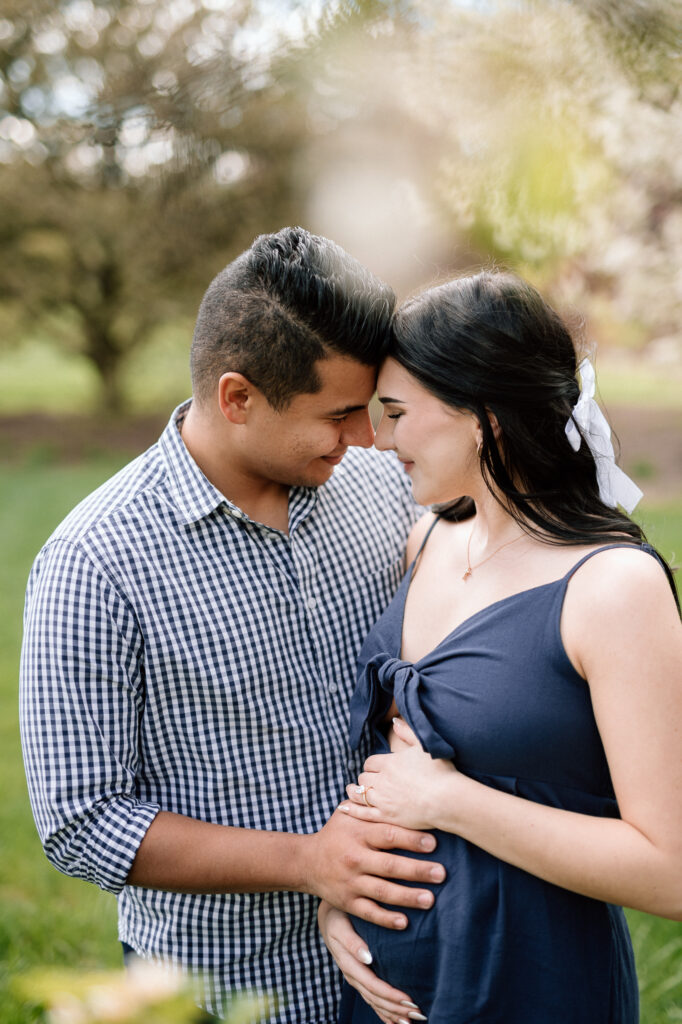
{"x": 190, "y": 636}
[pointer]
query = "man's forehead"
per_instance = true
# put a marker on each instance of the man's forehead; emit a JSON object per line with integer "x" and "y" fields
{"x": 347, "y": 385}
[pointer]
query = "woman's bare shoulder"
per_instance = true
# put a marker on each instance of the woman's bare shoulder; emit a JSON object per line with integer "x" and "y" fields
{"x": 615, "y": 592}
{"x": 417, "y": 534}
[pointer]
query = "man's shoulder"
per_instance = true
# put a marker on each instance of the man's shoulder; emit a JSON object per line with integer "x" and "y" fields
{"x": 129, "y": 487}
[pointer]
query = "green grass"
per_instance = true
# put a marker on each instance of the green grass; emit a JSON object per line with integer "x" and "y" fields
{"x": 46, "y": 918}
{"x": 634, "y": 383}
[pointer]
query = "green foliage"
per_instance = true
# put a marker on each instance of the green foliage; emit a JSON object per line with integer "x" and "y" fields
{"x": 142, "y": 994}
{"x": 126, "y": 185}
{"x": 144, "y": 144}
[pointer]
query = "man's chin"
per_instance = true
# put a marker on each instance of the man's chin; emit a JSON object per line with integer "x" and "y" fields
{"x": 316, "y": 475}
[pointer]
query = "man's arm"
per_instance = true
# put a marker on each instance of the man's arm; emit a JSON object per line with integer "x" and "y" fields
{"x": 82, "y": 699}
{"x": 350, "y": 867}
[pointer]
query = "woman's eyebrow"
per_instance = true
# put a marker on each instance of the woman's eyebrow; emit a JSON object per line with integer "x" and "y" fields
{"x": 390, "y": 401}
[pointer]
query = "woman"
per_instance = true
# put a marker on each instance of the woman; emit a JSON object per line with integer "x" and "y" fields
{"x": 526, "y": 678}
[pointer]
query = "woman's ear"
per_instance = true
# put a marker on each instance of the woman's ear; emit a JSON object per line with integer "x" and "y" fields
{"x": 234, "y": 394}
{"x": 496, "y": 428}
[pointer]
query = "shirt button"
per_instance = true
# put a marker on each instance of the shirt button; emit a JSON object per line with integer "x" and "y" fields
{"x": 238, "y": 514}
{"x": 333, "y": 688}
{"x": 311, "y": 603}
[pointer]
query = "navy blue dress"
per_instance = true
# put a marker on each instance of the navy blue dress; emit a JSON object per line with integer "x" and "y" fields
{"x": 500, "y": 946}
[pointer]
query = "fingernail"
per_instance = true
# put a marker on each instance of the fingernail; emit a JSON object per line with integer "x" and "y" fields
{"x": 425, "y": 899}
{"x": 396, "y": 719}
{"x": 405, "y": 1002}
{"x": 428, "y": 843}
{"x": 437, "y": 873}
{"x": 416, "y": 1016}
{"x": 400, "y": 922}
{"x": 359, "y": 789}
{"x": 345, "y": 808}
{"x": 401, "y": 1020}
{"x": 365, "y": 956}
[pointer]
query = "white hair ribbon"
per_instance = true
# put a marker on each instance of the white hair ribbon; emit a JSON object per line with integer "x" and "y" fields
{"x": 615, "y": 486}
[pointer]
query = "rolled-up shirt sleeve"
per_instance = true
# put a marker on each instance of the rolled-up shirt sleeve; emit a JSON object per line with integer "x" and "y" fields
{"x": 81, "y": 700}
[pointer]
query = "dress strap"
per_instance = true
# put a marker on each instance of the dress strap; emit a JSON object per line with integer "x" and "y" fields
{"x": 426, "y": 537}
{"x": 607, "y": 547}
{"x": 412, "y": 568}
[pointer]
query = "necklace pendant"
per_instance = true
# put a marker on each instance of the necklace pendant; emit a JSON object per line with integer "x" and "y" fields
{"x": 466, "y": 575}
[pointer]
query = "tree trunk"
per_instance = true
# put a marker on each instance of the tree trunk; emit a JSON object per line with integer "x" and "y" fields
{"x": 107, "y": 359}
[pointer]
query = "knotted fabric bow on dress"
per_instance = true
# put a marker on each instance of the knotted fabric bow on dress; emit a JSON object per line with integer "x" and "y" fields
{"x": 383, "y": 679}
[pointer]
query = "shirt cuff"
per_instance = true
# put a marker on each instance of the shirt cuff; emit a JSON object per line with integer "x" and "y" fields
{"x": 104, "y": 849}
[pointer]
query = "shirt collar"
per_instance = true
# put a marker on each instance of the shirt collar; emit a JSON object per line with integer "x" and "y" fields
{"x": 195, "y": 495}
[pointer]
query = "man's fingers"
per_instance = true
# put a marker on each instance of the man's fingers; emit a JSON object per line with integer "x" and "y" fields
{"x": 368, "y": 910}
{"x": 394, "y": 837}
{"x": 405, "y": 869}
{"x": 382, "y": 891}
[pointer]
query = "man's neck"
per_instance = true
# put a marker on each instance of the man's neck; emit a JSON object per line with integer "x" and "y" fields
{"x": 264, "y": 501}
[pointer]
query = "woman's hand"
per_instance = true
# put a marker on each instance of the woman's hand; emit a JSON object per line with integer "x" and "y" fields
{"x": 405, "y": 787}
{"x": 352, "y": 957}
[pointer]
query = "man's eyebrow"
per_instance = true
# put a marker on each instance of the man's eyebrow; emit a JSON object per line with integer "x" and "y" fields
{"x": 391, "y": 401}
{"x": 346, "y": 410}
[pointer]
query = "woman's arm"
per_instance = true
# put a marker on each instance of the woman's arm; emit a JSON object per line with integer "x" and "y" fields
{"x": 622, "y": 632}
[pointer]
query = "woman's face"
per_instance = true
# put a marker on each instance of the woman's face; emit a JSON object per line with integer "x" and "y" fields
{"x": 436, "y": 443}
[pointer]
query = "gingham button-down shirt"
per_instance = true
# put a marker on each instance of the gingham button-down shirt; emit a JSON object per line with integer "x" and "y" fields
{"x": 179, "y": 655}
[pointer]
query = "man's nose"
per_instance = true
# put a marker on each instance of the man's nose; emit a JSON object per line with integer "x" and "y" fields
{"x": 358, "y": 430}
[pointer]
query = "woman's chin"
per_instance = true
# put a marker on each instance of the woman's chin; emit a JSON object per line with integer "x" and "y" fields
{"x": 427, "y": 496}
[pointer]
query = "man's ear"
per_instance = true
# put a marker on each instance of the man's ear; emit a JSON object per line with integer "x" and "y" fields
{"x": 235, "y": 392}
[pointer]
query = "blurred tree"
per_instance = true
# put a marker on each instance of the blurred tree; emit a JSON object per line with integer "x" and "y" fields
{"x": 144, "y": 142}
{"x": 126, "y": 183}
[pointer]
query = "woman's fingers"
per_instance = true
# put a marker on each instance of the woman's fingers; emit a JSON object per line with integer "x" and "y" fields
{"x": 361, "y": 812}
{"x": 405, "y": 733}
{"x": 351, "y": 953}
{"x": 361, "y": 795}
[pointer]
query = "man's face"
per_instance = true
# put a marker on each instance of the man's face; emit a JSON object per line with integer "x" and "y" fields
{"x": 301, "y": 445}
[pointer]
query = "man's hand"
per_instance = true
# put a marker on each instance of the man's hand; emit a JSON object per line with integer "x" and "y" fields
{"x": 347, "y": 864}
{"x": 353, "y": 957}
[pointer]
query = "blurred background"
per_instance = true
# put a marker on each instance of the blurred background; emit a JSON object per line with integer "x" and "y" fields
{"x": 144, "y": 144}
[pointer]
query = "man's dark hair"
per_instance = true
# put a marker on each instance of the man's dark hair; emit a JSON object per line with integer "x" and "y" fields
{"x": 289, "y": 300}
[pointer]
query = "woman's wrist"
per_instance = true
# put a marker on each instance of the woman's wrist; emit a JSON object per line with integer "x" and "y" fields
{"x": 448, "y": 802}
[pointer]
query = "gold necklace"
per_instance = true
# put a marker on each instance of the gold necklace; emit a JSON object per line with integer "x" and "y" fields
{"x": 470, "y": 568}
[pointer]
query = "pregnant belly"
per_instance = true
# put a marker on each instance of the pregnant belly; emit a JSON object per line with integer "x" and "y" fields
{"x": 500, "y": 946}
{"x": 442, "y": 948}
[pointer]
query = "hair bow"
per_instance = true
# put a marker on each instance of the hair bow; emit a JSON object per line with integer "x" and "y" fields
{"x": 615, "y": 486}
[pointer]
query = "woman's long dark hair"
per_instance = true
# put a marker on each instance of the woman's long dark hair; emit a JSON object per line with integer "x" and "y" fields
{"x": 489, "y": 343}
